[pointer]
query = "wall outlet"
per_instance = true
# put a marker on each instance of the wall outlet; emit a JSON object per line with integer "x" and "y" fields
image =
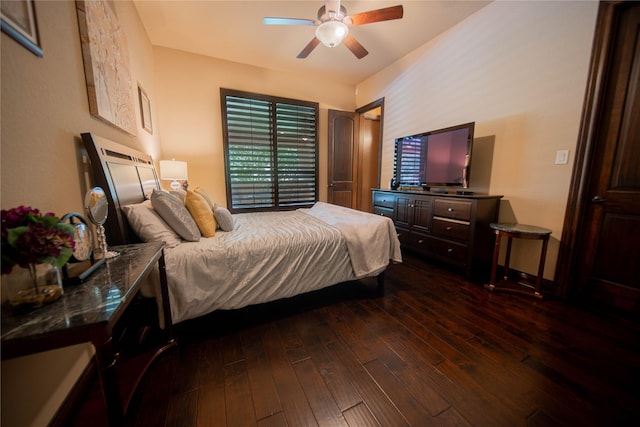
{"x": 562, "y": 157}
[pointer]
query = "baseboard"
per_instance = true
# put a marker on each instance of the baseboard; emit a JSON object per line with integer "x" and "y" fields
{"x": 529, "y": 280}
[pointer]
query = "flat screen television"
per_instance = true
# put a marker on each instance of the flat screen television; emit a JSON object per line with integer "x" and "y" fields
{"x": 438, "y": 158}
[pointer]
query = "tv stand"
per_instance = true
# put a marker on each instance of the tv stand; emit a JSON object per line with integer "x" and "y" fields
{"x": 447, "y": 227}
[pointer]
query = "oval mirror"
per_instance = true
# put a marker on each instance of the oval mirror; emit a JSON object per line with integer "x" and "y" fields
{"x": 96, "y": 205}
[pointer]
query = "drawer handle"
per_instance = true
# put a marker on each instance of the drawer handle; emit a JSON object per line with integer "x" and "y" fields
{"x": 449, "y": 228}
{"x": 449, "y": 209}
{"x": 421, "y": 241}
{"x": 412, "y": 206}
{"x": 450, "y": 250}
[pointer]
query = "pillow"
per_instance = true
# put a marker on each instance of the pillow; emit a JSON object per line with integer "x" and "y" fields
{"x": 207, "y": 197}
{"x": 180, "y": 194}
{"x": 148, "y": 225}
{"x": 171, "y": 209}
{"x": 201, "y": 213}
{"x": 224, "y": 218}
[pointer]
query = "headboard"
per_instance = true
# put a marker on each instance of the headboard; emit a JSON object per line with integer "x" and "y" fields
{"x": 125, "y": 175}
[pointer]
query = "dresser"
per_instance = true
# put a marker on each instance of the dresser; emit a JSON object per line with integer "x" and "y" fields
{"x": 446, "y": 227}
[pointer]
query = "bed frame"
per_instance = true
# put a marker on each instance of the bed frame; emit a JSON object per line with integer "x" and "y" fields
{"x": 126, "y": 175}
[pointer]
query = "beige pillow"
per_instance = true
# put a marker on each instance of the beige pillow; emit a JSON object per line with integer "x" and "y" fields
{"x": 201, "y": 213}
{"x": 173, "y": 212}
{"x": 148, "y": 225}
{"x": 206, "y": 196}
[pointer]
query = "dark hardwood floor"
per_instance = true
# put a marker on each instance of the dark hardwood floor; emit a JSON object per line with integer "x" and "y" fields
{"x": 435, "y": 350}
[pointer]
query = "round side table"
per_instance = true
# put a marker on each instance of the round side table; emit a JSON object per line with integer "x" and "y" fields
{"x": 517, "y": 231}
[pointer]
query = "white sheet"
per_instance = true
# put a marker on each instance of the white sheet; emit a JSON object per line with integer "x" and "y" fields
{"x": 274, "y": 255}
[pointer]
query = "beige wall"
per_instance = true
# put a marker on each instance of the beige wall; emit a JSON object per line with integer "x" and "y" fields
{"x": 188, "y": 90}
{"x": 44, "y": 110}
{"x": 518, "y": 69}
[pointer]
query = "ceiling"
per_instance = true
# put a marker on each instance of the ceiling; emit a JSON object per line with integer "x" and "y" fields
{"x": 233, "y": 31}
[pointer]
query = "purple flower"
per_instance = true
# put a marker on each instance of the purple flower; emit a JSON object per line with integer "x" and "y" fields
{"x": 29, "y": 238}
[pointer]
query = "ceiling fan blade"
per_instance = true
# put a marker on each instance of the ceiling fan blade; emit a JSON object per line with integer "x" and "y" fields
{"x": 385, "y": 14}
{"x": 355, "y": 47}
{"x": 308, "y": 48}
{"x": 287, "y": 21}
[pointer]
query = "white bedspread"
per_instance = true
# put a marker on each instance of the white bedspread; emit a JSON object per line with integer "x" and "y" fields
{"x": 274, "y": 255}
{"x": 371, "y": 239}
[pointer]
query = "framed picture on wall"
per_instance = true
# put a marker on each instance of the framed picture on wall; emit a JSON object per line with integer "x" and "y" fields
{"x": 145, "y": 110}
{"x": 18, "y": 19}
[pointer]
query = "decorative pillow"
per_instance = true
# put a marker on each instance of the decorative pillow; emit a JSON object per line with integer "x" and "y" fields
{"x": 201, "y": 213}
{"x": 148, "y": 225}
{"x": 206, "y": 196}
{"x": 180, "y": 194}
{"x": 171, "y": 209}
{"x": 224, "y": 218}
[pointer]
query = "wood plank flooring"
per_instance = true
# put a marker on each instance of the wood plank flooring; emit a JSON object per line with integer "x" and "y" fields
{"x": 434, "y": 350}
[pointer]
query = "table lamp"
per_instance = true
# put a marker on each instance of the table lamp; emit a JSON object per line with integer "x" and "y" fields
{"x": 173, "y": 170}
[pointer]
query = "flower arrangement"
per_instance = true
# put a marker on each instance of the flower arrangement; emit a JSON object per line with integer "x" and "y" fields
{"x": 30, "y": 238}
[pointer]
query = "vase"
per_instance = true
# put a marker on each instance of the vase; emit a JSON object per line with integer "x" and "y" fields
{"x": 33, "y": 287}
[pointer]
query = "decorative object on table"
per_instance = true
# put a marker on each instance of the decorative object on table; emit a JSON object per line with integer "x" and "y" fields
{"x": 97, "y": 207}
{"x": 106, "y": 64}
{"x": 82, "y": 263}
{"x": 145, "y": 110}
{"x": 173, "y": 170}
{"x": 19, "y": 21}
{"x": 32, "y": 240}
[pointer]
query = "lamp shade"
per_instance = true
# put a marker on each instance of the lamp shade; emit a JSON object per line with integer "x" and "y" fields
{"x": 173, "y": 170}
{"x": 331, "y": 33}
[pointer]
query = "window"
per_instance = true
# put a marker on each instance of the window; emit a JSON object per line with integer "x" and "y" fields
{"x": 271, "y": 151}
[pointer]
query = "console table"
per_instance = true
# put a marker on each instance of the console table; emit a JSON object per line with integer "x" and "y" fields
{"x": 91, "y": 311}
{"x": 517, "y": 231}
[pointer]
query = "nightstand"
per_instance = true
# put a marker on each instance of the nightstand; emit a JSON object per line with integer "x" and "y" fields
{"x": 93, "y": 311}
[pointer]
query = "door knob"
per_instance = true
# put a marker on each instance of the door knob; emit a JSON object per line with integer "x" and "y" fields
{"x": 598, "y": 199}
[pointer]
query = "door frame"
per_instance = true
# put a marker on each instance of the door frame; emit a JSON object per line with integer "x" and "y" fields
{"x": 361, "y": 111}
{"x": 578, "y": 201}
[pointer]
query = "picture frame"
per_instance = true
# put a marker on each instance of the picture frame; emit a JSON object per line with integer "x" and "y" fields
{"x": 105, "y": 54}
{"x": 145, "y": 110}
{"x": 18, "y": 20}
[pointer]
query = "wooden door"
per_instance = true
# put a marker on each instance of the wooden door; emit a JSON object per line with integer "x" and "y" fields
{"x": 605, "y": 266}
{"x": 368, "y": 161}
{"x": 343, "y": 137}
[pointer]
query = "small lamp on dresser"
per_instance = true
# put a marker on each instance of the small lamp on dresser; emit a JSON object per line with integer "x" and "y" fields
{"x": 173, "y": 170}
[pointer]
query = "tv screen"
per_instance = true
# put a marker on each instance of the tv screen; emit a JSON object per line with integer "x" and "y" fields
{"x": 436, "y": 158}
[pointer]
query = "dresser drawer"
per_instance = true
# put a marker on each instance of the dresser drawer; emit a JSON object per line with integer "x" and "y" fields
{"x": 454, "y": 209}
{"x": 388, "y": 212}
{"x": 383, "y": 199}
{"x": 450, "y": 229}
{"x": 448, "y": 251}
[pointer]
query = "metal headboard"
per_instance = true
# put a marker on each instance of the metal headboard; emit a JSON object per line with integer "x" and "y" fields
{"x": 126, "y": 175}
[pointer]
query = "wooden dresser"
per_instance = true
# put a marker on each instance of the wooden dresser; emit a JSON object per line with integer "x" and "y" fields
{"x": 447, "y": 227}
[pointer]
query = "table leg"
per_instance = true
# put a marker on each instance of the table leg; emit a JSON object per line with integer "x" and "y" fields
{"x": 494, "y": 265}
{"x": 505, "y": 273}
{"x": 106, "y": 361}
{"x": 543, "y": 255}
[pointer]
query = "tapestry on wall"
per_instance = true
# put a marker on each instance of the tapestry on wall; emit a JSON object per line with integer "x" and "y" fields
{"x": 106, "y": 64}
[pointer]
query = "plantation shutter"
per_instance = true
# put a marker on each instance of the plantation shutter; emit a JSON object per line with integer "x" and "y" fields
{"x": 270, "y": 151}
{"x": 409, "y": 156}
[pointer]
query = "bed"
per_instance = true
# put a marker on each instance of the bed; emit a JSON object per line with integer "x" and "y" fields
{"x": 266, "y": 256}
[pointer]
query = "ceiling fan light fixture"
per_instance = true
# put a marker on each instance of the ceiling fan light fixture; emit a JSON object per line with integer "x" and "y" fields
{"x": 331, "y": 33}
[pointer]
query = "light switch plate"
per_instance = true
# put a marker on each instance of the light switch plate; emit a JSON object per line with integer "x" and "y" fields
{"x": 562, "y": 157}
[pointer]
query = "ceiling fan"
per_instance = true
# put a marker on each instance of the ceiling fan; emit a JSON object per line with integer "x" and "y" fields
{"x": 332, "y": 26}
